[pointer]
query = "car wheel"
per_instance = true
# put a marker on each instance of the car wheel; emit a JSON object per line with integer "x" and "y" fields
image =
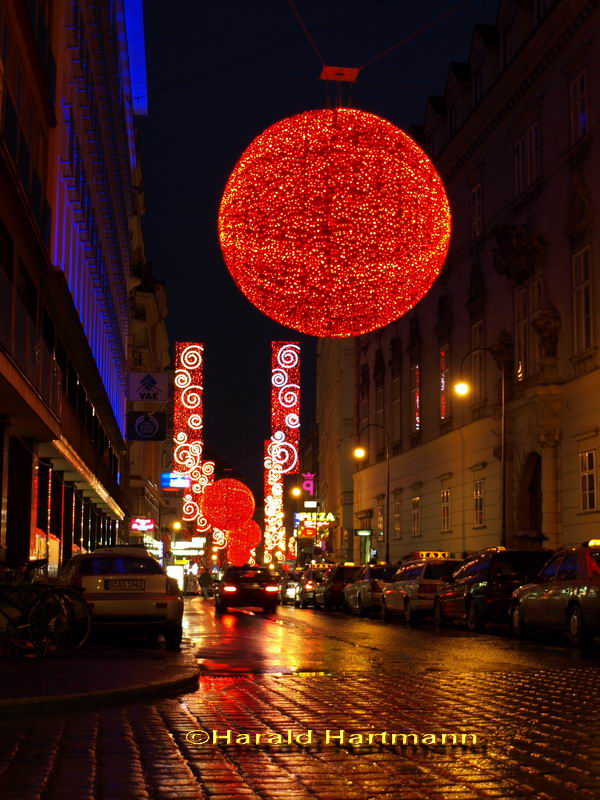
{"x": 409, "y": 617}
{"x": 438, "y": 615}
{"x": 475, "y": 622}
{"x": 173, "y": 634}
{"x": 517, "y": 622}
{"x": 385, "y": 612}
{"x": 576, "y": 630}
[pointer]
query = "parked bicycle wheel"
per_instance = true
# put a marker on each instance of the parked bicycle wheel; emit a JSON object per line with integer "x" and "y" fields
{"x": 59, "y": 623}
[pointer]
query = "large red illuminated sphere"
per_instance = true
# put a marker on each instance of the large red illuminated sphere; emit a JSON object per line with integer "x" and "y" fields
{"x": 334, "y": 222}
{"x": 227, "y": 503}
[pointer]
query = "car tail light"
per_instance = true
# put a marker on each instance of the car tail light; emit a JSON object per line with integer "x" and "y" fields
{"x": 309, "y": 585}
{"x": 270, "y": 588}
{"x": 172, "y": 586}
{"x": 230, "y": 588}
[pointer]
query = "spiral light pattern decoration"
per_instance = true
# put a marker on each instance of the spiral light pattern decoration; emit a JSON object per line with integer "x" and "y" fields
{"x": 188, "y": 430}
{"x": 334, "y": 222}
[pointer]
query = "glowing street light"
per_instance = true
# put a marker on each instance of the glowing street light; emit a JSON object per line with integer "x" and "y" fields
{"x": 296, "y": 491}
{"x": 360, "y": 453}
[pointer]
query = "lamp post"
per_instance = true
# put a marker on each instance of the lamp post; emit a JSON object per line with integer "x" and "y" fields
{"x": 462, "y": 388}
{"x": 359, "y": 453}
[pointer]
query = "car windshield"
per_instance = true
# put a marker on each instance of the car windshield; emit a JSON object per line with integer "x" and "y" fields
{"x": 346, "y": 573}
{"x": 249, "y": 575}
{"x": 523, "y": 564}
{"x": 383, "y": 573}
{"x": 440, "y": 570}
{"x": 120, "y": 565}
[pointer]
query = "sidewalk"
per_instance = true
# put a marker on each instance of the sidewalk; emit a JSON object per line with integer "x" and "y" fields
{"x": 98, "y": 675}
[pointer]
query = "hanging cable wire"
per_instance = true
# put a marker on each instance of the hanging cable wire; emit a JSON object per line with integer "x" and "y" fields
{"x": 307, "y": 32}
{"x": 418, "y": 32}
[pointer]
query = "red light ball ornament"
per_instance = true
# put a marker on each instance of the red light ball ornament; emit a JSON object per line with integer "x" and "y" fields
{"x": 227, "y": 503}
{"x": 334, "y": 222}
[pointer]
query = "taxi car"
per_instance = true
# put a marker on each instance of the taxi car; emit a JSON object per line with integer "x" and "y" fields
{"x": 415, "y": 584}
{"x": 307, "y": 584}
{"x": 126, "y": 586}
{"x": 329, "y": 593}
{"x": 364, "y": 594}
{"x": 565, "y": 597}
{"x": 480, "y": 591}
{"x": 255, "y": 587}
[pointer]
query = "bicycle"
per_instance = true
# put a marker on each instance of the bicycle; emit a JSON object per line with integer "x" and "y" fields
{"x": 50, "y": 620}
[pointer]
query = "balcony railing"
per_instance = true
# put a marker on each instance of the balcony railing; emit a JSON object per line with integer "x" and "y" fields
{"x": 20, "y": 338}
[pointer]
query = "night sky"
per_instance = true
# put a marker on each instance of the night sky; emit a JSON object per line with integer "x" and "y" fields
{"x": 218, "y": 75}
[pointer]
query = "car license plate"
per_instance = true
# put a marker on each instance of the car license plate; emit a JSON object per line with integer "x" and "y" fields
{"x": 125, "y": 584}
{"x": 254, "y": 586}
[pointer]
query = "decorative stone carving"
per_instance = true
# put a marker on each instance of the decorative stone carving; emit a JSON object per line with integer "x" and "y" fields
{"x": 518, "y": 252}
{"x": 547, "y": 325}
{"x": 580, "y": 216}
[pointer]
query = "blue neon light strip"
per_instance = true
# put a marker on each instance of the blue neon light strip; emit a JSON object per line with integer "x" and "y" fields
{"x": 134, "y": 23}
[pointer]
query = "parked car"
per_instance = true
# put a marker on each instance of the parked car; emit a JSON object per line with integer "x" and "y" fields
{"x": 126, "y": 586}
{"x": 364, "y": 594}
{"x": 247, "y": 586}
{"x": 414, "y": 585}
{"x": 305, "y": 589}
{"x": 481, "y": 589}
{"x": 287, "y": 586}
{"x": 564, "y": 597}
{"x": 329, "y": 594}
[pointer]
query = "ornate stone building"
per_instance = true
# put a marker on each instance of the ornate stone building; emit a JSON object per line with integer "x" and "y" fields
{"x": 515, "y": 138}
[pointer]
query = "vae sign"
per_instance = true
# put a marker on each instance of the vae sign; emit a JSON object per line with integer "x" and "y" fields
{"x": 149, "y": 387}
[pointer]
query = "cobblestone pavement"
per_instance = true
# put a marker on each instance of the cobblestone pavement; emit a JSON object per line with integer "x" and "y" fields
{"x": 536, "y": 731}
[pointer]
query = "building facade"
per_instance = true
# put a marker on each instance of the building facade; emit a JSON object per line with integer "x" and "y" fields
{"x": 514, "y": 461}
{"x": 67, "y": 156}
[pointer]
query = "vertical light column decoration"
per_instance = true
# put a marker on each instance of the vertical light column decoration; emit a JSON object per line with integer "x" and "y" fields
{"x": 188, "y": 430}
{"x": 281, "y": 452}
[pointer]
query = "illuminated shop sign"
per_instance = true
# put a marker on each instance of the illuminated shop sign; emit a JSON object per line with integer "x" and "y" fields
{"x": 175, "y": 480}
{"x": 318, "y": 517}
{"x": 142, "y": 524}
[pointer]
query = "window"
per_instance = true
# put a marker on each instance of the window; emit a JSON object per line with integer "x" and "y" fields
{"x": 444, "y": 383}
{"x": 578, "y": 106}
{"x": 528, "y": 302}
{"x": 379, "y": 418}
{"x": 508, "y": 43}
{"x": 477, "y": 363}
{"x": 415, "y": 525}
{"x": 478, "y": 517}
{"x": 380, "y": 517}
{"x": 582, "y": 300}
{"x": 397, "y": 515}
{"x": 527, "y": 159}
{"x": 568, "y": 568}
{"x": 477, "y": 85}
{"x": 415, "y": 397}
{"x": 452, "y": 119}
{"x": 445, "y": 498}
{"x": 396, "y": 408}
{"x": 476, "y": 211}
{"x": 587, "y": 480}
{"x": 548, "y": 572}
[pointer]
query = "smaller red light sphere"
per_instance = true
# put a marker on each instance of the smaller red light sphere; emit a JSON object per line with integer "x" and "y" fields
{"x": 238, "y": 554}
{"x": 249, "y": 534}
{"x": 227, "y": 503}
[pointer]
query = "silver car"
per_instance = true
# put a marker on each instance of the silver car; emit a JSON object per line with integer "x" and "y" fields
{"x": 364, "y": 594}
{"x": 413, "y": 588}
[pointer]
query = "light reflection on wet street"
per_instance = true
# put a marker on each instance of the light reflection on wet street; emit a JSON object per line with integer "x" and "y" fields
{"x": 292, "y": 640}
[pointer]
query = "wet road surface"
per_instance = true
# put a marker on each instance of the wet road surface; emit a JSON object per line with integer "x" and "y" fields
{"x": 350, "y": 685}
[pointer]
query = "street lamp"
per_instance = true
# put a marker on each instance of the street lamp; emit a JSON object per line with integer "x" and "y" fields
{"x": 463, "y": 388}
{"x": 360, "y": 453}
